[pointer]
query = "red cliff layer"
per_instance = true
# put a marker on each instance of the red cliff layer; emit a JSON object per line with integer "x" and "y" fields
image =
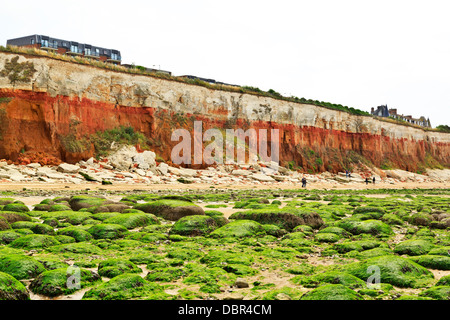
{"x": 36, "y": 122}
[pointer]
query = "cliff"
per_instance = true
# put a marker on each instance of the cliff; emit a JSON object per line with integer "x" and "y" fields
{"x": 58, "y": 106}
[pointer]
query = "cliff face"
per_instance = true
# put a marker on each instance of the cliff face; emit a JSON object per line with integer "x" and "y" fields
{"x": 64, "y": 101}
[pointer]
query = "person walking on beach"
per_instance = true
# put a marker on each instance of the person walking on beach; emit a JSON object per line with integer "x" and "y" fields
{"x": 373, "y": 180}
{"x": 303, "y": 182}
{"x": 367, "y": 181}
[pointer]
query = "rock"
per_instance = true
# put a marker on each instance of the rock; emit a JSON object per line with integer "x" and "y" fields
{"x": 17, "y": 177}
{"x": 34, "y": 165}
{"x": 107, "y": 166}
{"x": 173, "y": 170}
{"x": 282, "y": 296}
{"x": 234, "y": 296}
{"x": 170, "y": 209}
{"x": 240, "y": 172}
{"x": 187, "y": 172}
{"x": 163, "y": 168}
{"x": 3, "y": 163}
{"x": 68, "y": 168}
{"x": 90, "y": 161}
{"x": 261, "y": 177}
{"x": 145, "y": 160}
{"x": 241, "y": 283}
{"x": 140, "y": 172}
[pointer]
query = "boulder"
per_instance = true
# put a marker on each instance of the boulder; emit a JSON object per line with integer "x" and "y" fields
{"x": 68, "y": 168}
{"x": 144, "y": 160}
{"x": 262, "y": 177}
{"x": 163, "y": 168}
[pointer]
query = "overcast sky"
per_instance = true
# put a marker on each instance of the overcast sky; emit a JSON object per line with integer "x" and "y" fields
{"x": 351, "y": 52}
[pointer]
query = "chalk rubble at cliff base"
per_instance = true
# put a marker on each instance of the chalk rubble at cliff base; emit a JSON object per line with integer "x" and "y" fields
{"x": 145, "y": 170}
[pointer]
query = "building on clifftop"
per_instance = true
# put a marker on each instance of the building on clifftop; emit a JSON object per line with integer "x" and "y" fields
{"x": 384, "y": 111}
{"x": 72, "y": 48}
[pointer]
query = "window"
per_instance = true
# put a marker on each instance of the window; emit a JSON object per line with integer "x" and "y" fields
{"x": 73, "y": 48}
{"x": 44, "y": 43}
{"x": 87, "y": 51}
{"x": 32, "y": 41}
{"x": 55, "y": 44}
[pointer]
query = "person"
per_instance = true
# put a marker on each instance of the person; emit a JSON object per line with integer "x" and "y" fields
{"x": 373, "y": 180}
{"x": 346, "y": 173}
{"x": 367, "y": 180}
{"x": 303, "y": 182}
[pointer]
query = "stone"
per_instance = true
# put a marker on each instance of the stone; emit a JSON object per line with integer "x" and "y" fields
{"x": 107, "y": 166}
{"x": 262, "y": 177}
{"x": 187, "y": 172}
{"x": 145, "y": 160}
{"x": 240, "y": 172}
{"x": 140, "y": 172}
{"x": 163, "y": 168}
{"x": 174, "y": 170}
{"x": 34, "y": 165}
{"x": 68, "y": 168}
{"x": 241, "y": 283}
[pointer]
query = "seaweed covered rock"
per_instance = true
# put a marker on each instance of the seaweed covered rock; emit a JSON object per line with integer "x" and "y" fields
{"x": 437, "y": 293}
{"x": 437, "y": 262}
{"x": 34, "y": 241}
{"x": 413, "y": 247}
{"x": 8, "y": 236}
{"x": 239, "y": 229}
{"x": 330, "y": 277}
{"x": 11, "y": 288}
{"x": 12, "y": 217}
{"x": 196, "y": 225}
{"x": 394, "y": 270}
{"x": 21, "y": 267}
{"x": 113, "y": 267}
{"x": 83, "y": 202}
{"x": 285, "y": 218}
{"x": 370, "y": 226}
{"x": 170, "y": 209}
{"x": 4, "y": 224}
{"x": 60, "y": 281}
{"x": 78, "y": 233}
{"x": 133, "y": 220}
{"x": 79, "y": 247}
{"x": 125, "y": 287}
{"x": 331, "y": 292}
{"x": 108, "y": 231}
{"x": 16, "y": 207}
{"x": 71, "y": 217}
{"x": 41, "y": 228}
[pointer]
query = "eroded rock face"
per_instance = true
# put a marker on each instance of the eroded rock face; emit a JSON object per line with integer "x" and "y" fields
{"x": 66, "y": 103}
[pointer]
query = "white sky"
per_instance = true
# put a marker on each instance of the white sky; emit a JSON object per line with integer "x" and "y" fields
{"x": 351, "y": 52}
